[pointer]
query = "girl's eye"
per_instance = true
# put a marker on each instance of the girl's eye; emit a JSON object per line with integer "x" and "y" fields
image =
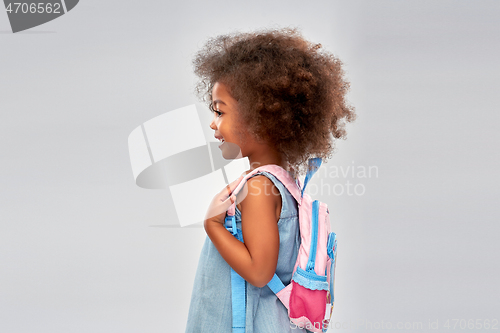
{"x": 211, "y": 107}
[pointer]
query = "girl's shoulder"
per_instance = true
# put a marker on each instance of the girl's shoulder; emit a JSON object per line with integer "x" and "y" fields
{"x": 261, "y": 188}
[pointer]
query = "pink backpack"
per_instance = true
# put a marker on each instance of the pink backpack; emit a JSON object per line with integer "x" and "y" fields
{"x": 309, "y": 296}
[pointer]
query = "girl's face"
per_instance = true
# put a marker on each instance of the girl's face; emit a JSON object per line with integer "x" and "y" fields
{"x": 226, "y": 123}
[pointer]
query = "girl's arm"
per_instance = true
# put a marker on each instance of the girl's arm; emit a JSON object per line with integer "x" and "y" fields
{"x": 254, "y": 260}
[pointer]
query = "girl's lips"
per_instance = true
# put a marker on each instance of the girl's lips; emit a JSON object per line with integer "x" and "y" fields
{"x": 220, "y": 138}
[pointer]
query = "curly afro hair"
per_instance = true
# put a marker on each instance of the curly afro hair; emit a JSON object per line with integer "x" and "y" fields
{"x": 290, "y": 92}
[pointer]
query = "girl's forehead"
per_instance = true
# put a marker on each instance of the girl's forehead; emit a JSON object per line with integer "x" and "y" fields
{"x": 221, "y": 95}
{"x": 220, "y": 88}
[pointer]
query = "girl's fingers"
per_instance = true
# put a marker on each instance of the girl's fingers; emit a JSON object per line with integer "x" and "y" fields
{"x": 235, "y": 183}
{"x": 228, "y": 202}
{"x": 229, "y": 198}
{"x": 224, "y": 199}
{"x": 232, "y": 186}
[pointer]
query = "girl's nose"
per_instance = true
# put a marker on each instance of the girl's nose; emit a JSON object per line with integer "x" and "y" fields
{"x": 212, "y": 124}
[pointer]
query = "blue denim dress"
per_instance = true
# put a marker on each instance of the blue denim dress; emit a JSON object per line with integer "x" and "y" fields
{"x": 210, "y": 309}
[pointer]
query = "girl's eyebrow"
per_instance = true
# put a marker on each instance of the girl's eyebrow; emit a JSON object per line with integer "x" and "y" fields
{"x": 218, "y": 101}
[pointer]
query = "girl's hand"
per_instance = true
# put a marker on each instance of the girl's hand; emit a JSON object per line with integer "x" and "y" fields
{"x": 256, "y": 259}
{"x": 221, "y": 202}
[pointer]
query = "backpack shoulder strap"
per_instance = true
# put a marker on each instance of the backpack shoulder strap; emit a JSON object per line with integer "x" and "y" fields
{"x": 238, "y": 284}
{"x": 281, "y": 174}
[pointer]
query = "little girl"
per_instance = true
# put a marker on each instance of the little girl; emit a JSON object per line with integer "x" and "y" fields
{"x": 277, "y": 99}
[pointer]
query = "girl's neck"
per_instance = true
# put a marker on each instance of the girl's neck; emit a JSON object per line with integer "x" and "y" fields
{"x": 261, "y": 158}
{"x": 260, "y": 153}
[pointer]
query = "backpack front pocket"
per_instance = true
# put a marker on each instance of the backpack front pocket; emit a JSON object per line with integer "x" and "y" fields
{"x": 307, "y": 299}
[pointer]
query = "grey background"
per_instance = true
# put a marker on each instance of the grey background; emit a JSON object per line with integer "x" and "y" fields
{"x": 82, "y": 248}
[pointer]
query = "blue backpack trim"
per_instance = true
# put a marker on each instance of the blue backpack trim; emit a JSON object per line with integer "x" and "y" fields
{"x": 332, "y": 253}
{"x": 238, "y": 284}
{"x": 310, "y": 280}
{"x": 331, "y": 245}
{"x": 315, "y": 163}
{"x": 275, "y": 284}
{"x": 314, "y": 237}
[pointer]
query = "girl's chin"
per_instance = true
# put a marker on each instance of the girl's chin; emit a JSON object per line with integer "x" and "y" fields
{"x": 230, "y": 151}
